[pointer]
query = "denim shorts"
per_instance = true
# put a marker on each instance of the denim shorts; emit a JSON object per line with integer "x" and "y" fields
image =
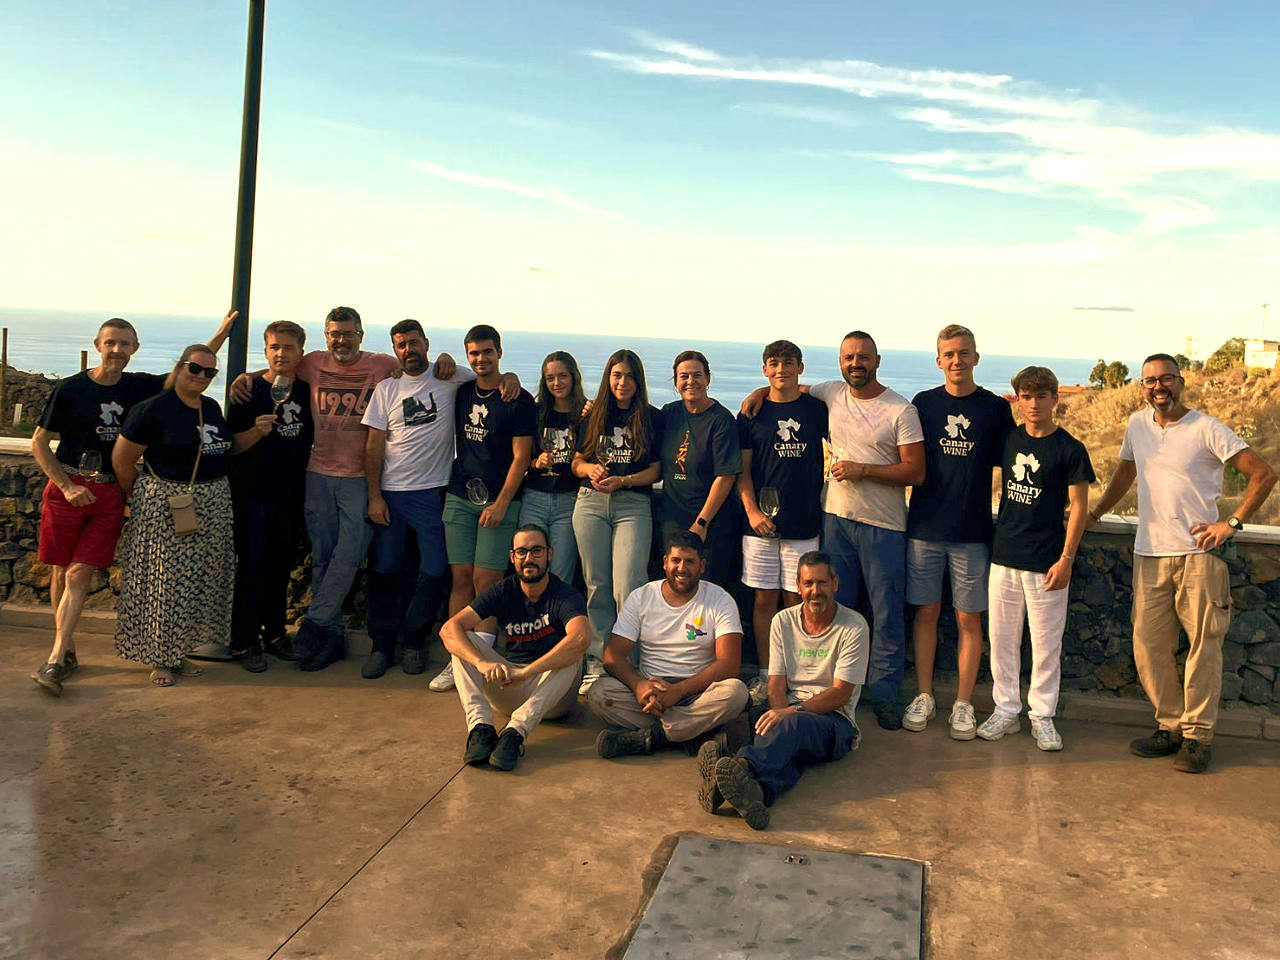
{"x": 926, "y": 560}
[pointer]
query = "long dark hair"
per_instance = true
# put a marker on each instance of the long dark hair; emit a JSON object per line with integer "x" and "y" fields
{"x": 577, "y": 396}
{"x": 605, "y": 404}
{"x": 187, "y": 353}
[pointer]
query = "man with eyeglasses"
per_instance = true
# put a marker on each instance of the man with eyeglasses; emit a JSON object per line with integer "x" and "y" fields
{"x": 533, "y": 669}
{"x": 1179, "y": 575}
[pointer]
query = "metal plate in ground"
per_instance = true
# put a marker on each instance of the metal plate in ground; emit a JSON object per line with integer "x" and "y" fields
{"x": 723, "y": 899}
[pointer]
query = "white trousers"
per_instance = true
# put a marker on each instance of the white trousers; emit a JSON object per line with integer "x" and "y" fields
{"x": 544, "y": 697}
{"x": 1014, "y": 596}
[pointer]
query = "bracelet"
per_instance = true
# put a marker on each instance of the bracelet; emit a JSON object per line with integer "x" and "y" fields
{"x": 1068, "y": 556}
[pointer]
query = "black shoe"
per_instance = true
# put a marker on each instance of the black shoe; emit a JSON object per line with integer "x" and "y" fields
{"x": 333, "y": 650}
{"x": 742, "y": 792}
{"x": 480, "y": 743}
{"x": 1162, "y": 743}
{"x": 887, "y": 714}
{"x": 254, "y": 661}
{"x": 709, "y": 754}
{"x": 280, "y": 647}
{"x": 1194, "y": 756}
{"x": 375, "y": 665}
{"x": 307, "y": 642}
{"x": 624, "y": 743}
{"x": 69, "y": 664}
{"x": 510, "y": 748}
{"x": 412, "y": 661}
{"x": 50, "y": 678}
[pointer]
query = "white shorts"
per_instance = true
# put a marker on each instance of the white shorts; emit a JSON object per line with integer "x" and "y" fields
{"x": 769, "y": 563}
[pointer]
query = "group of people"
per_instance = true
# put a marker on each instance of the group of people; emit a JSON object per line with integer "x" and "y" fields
{"x": 443, "y": 479}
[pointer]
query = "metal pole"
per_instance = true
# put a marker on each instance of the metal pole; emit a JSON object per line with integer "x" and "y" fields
{"x": 4, "y": 369}
{"x": 84, "y": 360}
{"x": 238, "y": 352}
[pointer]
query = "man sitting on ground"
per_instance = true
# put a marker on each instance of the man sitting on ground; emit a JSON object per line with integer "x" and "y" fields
{"x": 534, "y": 671}
{"x": 817, "y": 665}
{"x": 690, "y": 645}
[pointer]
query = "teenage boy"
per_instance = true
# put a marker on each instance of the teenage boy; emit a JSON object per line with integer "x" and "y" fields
{"x": 482, "y": 505}
{"x": 949, "y": 522}
{"x": 782, "y": 455}
{"x": 1043, "y": 469}
{"x": 533, "y": 670}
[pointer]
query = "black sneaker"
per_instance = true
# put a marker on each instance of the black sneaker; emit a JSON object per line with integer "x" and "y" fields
{"x": 480, "y": 743}
{"x": 69, "y": 664}
{"x": 255, "y": 661}
{"x": 624, "y": 743}
{"x": 375, "y": 665}
{"x": 709, "y": 754}
{"x": 333, "y": 649}
{"x": 1162, "y": 743}
{"x": 510, "y": 748}
{"x": 50, "y": 678}
{"x": 742, "y": 791}
{"x": 412, "y": 661}
{"x": 1194, "y": 756}
{"x": 307, "y": 642}
{"x": 887, "y": 714}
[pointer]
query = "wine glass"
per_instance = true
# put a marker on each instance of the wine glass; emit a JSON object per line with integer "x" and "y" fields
{"x": 90, "y": 464}
{"x": 604, "y": 451}
{"x": 769, "y": 504}
{"x": 477, "y": 492}
{"x": 549, "y": 437}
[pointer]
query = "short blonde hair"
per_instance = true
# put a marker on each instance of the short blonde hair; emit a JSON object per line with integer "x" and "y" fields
{"x": 953, "y": 330}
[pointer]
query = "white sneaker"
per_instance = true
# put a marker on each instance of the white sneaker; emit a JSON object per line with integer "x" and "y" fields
{"x": 1046, "y": 734}
{"x": 443, "y": 680}
{"x": 919, "y": 712}
{"x": 593, "y": 672}
{"x": 963, "y": 722}
{"x": 998, "y": 724}
{"x": 758, "y": 691}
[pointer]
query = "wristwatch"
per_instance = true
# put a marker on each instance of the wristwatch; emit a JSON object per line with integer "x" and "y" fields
{"x": 701, "y": 522}
{"x": 1234, "y": 523}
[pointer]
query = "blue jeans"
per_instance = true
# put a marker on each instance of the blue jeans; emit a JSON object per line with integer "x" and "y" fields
{"x": 336, "y": 510}
{"x": 614, "y": 532}
{"x": 420, "y": 511}
{"x": 862, "y": 553}
{"x": 797, "y": 741}
{"x": 554, "y": 513}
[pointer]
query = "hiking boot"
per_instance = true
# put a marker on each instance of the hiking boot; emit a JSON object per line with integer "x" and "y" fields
{"x": 964, "y": 724}
{"x": 919, "y": 712}
{"x": 1162, "y": 743}
{"x": 742, "y": 791}
{"x": 412, "y": 662}
{"x": 999, "y": 724}
{"x": 509, "y": 749}
{"x": 624, "y": 743}
{"x": 1194, "y": 756}
{"x": 887, "y": 714}
{"x": 443, "y": 680}
{"x": 758, "y": 690}
{"x": 375, "y": 665}
{"x": 1045, "y": 733}
{"x": 334, "y": 648}
{"x": 307, "y": 642}
{"x": 50, "y": 677}
{"x": 709, "y": 795}
{"x": 255, "y": 661}
{"x": 480, "y": 743}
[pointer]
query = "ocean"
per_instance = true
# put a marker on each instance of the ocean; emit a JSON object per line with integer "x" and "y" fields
{"x": 50, "y": 341}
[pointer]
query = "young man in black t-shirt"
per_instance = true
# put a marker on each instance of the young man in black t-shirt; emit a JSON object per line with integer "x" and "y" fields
{"x": 82, "y": 508}
{"x": 781, "y": 464}
{"x": 1043, "y": 468}
{"x": 532, "y": 671}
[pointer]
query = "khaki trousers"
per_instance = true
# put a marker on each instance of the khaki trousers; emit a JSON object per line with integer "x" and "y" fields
{"x": 1192, "y": 591}
{"x": 544, "y": 697}
{"x": 612, "y": 701}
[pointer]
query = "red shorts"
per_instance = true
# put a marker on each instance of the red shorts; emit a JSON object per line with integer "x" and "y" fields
{"x": 88, "y": 535}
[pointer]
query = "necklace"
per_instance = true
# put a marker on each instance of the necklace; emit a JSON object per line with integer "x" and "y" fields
{"x": 485, "y": 395}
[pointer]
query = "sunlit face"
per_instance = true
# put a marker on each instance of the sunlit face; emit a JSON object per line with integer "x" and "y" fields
{"x": 783, "y": 373}
{"x": 411, "y": 351}
{"x": 483, "y": 357}
{"x": 530, "y": 555}
{"x": 344, "y": 339}
{"x": 115, "y": 346}
{"x": 1165, "y": 390}
{"x": 1037, "y": 406}
{"x": 956, "y": 359}
{"x": 692, "y": 381}
{"x": 859, "y": 362}
{"x": 283, "y": 354}
{"x": 683, "y": 568}
{"x": 198, "y": 382}
{"x": 622, "y": 383}
{"x": 558, "y": 379}
{"x": 817, "y": 586}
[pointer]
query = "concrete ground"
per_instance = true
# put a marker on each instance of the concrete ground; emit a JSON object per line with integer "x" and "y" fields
{"x": 320, "y": 815}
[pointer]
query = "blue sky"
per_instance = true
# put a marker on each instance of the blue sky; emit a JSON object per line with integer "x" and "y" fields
{"x": 722, "y": 171}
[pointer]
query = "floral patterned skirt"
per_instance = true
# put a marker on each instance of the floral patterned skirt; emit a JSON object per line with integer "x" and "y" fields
{"x": 176, "y": 591}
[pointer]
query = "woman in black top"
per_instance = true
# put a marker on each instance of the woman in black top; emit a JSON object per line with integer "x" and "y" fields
{"x": 176, "y": 590}
{"x": 550, "y": 488}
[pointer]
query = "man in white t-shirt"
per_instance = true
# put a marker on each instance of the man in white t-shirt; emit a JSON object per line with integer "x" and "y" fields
{"x": 408, "y": 455}
{"x": 689, "y": 640}
{"x": 877, "y": 451}
{"x": 1177, "y": 456}
{"x": 817, "y": 663}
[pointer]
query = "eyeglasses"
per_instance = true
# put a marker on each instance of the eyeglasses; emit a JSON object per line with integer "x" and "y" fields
{"x": 343, "y": 334}
{"x": 522, "y": 552}
{"x": 1166, "y": 380}
{"x": 198, "y": 370}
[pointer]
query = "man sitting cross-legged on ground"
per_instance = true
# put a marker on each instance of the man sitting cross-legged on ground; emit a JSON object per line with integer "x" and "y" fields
{"x": 690, "y": 645}
{"x": 534, "y": 671}
{"x": 817, "y": 665}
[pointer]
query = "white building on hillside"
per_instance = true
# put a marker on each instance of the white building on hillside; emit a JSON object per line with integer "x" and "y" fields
{"x": 1261, "y": 353}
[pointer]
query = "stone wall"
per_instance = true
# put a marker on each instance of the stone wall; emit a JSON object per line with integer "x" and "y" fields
{"x": 29, "y": 389}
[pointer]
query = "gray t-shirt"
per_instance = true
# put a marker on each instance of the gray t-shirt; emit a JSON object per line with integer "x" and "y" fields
{"x": 813, "y": 664}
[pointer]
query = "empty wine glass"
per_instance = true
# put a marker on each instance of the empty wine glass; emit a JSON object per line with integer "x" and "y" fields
{"x": 90, "y": 464}
{"x": 549, "y": 437}
{"x": 477, "y": 492}
{"x": 769, "y": 504}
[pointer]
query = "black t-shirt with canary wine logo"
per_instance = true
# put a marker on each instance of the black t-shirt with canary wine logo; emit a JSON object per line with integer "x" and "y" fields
{"x": 486, "y": 424}
{"x": 87, "y": 415}
{"x": 173, "y": 435}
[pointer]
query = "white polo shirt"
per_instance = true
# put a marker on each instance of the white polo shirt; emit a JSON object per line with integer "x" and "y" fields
{"x": 1179, "y": 477}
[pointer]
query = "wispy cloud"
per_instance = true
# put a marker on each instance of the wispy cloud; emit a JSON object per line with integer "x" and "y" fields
{"x": 549, "y": 195}
{"x": 1108, "y": 309}
{"x": 676, "y": 47}
{"x": 826, "y": 115}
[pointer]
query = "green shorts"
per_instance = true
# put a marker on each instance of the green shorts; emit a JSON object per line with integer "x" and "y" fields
{"x": 470, "y": 545}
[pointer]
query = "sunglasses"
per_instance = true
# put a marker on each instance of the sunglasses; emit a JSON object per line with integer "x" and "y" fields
{"x": 198, "y": 370}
